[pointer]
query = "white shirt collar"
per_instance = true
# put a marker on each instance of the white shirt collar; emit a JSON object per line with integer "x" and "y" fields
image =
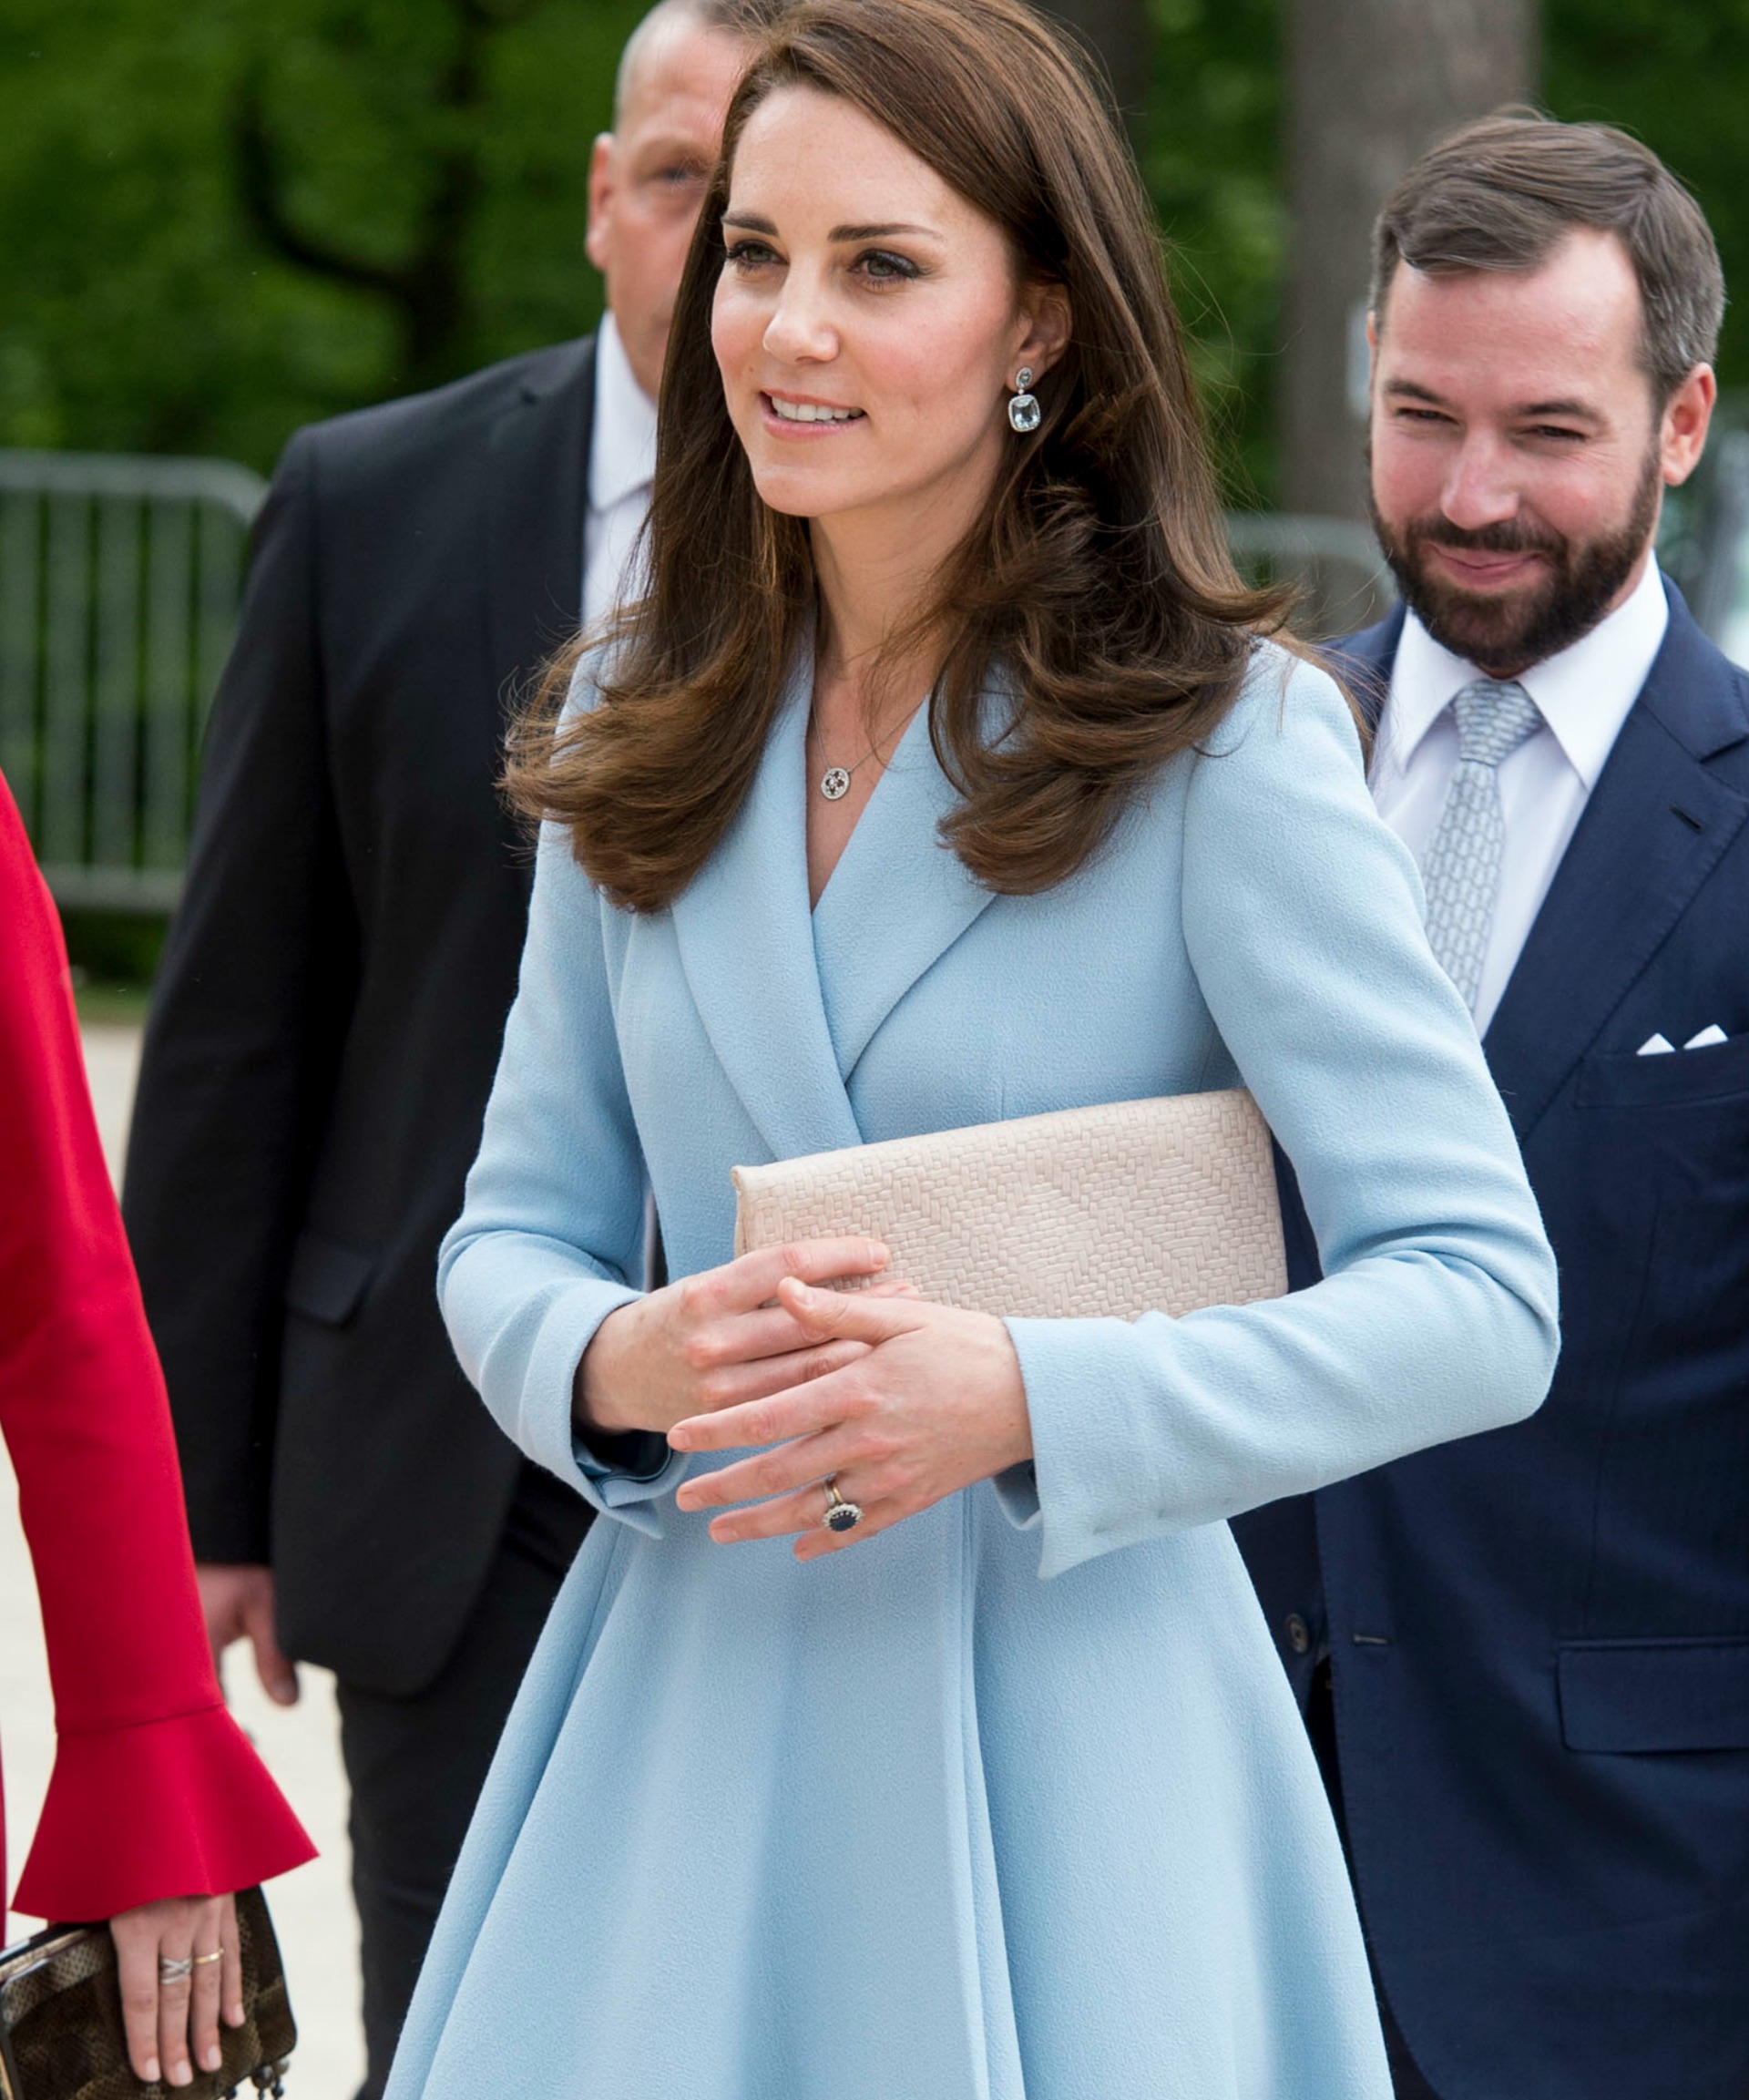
{"x": 1583, "y": 694}
{"x": 622, "y": 443}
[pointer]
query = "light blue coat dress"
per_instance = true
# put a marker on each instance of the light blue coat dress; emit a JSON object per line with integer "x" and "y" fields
{"x": 1013, "y": 1800}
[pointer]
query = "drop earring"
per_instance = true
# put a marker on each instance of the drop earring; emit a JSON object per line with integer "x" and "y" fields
{"x": 1024, "y": 412}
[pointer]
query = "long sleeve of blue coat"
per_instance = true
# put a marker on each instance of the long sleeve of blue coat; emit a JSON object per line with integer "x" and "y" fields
{"x": 552, "y": 1229}
{"x": 1303, "y": 920}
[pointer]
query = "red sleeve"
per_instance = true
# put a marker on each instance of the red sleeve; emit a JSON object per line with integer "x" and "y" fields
{"x": 155, "y": 1790}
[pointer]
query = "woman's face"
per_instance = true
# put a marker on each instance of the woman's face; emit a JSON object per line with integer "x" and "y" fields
{"x": 867, "y": 322}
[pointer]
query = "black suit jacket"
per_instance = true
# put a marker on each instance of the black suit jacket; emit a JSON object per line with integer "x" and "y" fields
{"x": 327, "y": 1018}
{"x": 1539, "y": 1638}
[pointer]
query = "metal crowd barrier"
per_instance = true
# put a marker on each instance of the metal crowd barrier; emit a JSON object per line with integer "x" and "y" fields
{"x": 119, "y": 580}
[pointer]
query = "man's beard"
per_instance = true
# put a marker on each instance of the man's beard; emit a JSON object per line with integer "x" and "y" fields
{"x": 1507, "y": 633}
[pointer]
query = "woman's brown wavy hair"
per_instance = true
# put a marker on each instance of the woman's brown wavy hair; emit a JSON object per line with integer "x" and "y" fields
{"x": 1099, "y": 583}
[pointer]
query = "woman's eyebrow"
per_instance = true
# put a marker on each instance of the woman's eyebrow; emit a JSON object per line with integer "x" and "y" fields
{"x": 756, "y": 222}
{"x": 879, "y": 233}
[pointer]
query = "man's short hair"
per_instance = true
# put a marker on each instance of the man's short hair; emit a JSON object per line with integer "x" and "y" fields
{"x": 1503, "y": 193}
{"x": 746, "y": 18}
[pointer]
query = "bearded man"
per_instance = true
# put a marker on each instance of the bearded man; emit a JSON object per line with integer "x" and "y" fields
{"x": 1525, "y": 1658}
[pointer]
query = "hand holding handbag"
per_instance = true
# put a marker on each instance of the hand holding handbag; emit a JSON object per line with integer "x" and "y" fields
{"x": 61, "y": 2032}
{"x": 1162, "y": 1206}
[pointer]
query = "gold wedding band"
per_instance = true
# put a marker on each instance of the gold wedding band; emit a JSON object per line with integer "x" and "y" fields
{"x": 201, "y": 1960}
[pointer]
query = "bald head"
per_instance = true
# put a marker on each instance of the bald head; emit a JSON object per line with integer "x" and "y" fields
{"x": 647, "y": 175}
{"x": 740, "y": 19}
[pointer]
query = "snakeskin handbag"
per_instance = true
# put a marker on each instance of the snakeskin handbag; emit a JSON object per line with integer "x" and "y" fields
{"x": 61, "y": 2036}
{"x": 1159, "y": 1205}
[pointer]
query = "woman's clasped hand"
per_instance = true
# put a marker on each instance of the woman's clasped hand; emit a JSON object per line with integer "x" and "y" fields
{"x": 898, "y": 1401}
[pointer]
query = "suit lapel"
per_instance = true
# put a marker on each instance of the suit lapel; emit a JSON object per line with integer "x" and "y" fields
{"x": 898, "y": 899}
{"x": 746, "y": 944}
{"x": 534, "y": 516}
{"x": 1655, "y": 826}
{"x": 1364, "y": 662}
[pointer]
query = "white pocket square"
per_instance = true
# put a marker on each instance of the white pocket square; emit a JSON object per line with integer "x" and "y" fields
{"x": 1660, "y": 1045}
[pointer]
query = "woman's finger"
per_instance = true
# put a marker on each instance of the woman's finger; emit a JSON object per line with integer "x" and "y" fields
{"x": 752, "y": 1280}
{"x": 762, "y": 1338}
{"x": 816, "y": 1540}
{"x": 230, "y": 1970}
{"x": 804, "y": 1511}
{"x": 739, "y": 1383}
{"x": 175, "y": 1993}
{"x": 797, "y": 1468}
{"x": 207, "y": 1980}
{"x": 803, "y": 1508}
{"x": 745, "y": 1338}
{"x": 795, "y": 1512}
{"x": 801, "y": 1411}
{"x": 848, "y": 1315}
{"x": 135, "y": 1938}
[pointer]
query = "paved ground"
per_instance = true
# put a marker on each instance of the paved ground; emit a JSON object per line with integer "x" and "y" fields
{"x": 311, "y": 1907}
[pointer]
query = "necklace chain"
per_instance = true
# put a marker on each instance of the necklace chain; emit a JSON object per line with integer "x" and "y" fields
{"x": 834, "y": 782}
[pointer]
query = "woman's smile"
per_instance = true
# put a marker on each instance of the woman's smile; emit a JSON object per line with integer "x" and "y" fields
{"x": 801, "y": 415}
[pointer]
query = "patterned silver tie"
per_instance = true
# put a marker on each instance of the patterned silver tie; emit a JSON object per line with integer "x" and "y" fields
{"x": 1461, "y": 872}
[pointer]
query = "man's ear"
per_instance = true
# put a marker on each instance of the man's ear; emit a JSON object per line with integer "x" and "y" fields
{"x": 1681, "y": 436}
{"x": 601, "y": 188}
{"x": 1047, "y": 320}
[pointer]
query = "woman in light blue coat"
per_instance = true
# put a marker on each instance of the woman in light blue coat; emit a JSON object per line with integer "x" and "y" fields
{"x": 999, "y": 1791}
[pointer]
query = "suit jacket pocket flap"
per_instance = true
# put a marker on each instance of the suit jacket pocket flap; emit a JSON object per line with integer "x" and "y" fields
{"x": 1624, "y": 1695}
{"x": 327, "y": 1277}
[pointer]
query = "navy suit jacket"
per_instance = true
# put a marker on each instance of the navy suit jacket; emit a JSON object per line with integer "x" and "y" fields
{"x": 1539, "y": 1638}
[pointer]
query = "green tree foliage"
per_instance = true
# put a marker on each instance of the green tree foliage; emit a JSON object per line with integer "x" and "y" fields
{"x": 171, "y": 169}
{"x": 1676, "y": 74}
{"x": 1213, "y": 159}
{"x": 220, "y": 218}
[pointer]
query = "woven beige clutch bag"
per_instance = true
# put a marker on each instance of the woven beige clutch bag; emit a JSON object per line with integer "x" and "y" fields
{"x": 1138, "y": 1206}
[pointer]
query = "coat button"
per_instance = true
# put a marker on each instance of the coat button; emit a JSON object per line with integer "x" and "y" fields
{"x": 1299, "y": 1634}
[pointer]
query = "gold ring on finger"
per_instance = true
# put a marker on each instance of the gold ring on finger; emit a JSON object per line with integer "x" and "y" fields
{"x": 201, "y": 1960}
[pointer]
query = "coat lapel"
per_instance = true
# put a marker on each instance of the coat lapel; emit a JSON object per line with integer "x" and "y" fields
{"x": 1655, "y": 826}
{"x": 1364, "y": 662}
{"x": 746, "y": 944}
{"x": 898, "y": 899}
{"x": 534, "y": 516}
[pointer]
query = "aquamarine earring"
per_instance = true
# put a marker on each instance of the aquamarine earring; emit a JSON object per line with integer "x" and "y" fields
{"x": 1024, "y": 412}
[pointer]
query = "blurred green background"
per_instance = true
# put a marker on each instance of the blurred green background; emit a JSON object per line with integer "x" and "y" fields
{"x": 220, "y": 218}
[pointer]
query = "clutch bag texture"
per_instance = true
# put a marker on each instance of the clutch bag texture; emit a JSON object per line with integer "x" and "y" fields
{"x": 1136, "y": 1206}
{"x": 61, "y": 2036}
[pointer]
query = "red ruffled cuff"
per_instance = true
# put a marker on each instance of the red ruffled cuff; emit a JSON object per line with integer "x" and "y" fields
{"x": 175, "y": 1808}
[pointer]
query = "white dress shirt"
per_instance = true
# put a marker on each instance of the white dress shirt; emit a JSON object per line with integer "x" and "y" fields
{"x": 622, "y": 459}
{"x": 1583, "y": 695}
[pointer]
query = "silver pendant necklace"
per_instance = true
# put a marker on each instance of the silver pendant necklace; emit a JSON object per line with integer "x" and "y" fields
{"x": 834, "y": 782}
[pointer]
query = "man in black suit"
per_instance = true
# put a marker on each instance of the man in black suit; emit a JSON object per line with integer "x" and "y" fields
{"x": 328, "y": 1015}
{"x": 1525, "y": 1657}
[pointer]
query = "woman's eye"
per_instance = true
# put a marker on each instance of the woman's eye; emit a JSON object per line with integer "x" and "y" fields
{"x": 884, "y": 267}
{"x": 748, "y": 255}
